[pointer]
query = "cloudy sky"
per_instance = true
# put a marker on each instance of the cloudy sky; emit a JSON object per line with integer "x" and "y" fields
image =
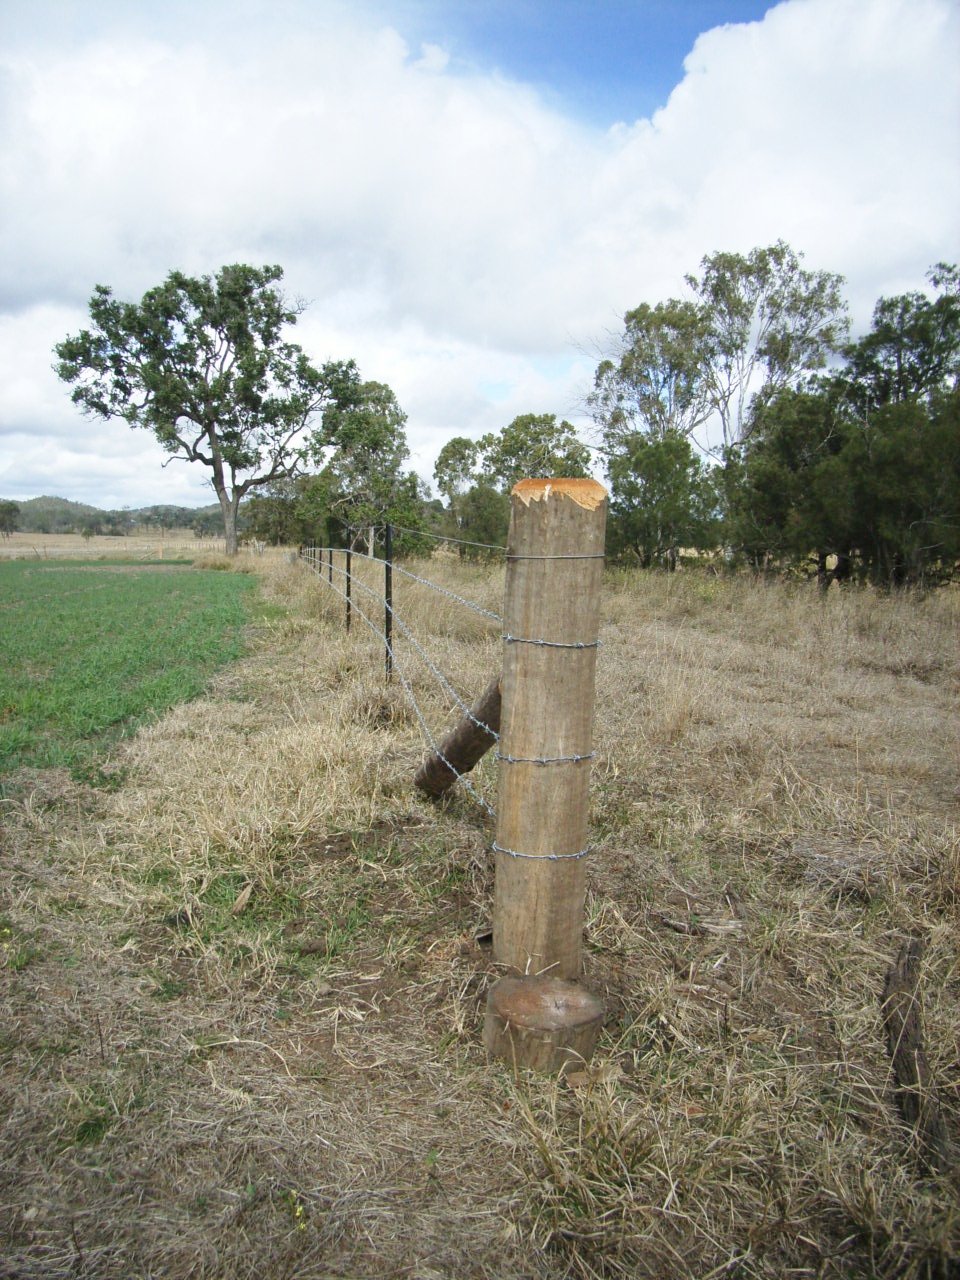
{"x": 468, "y": 194}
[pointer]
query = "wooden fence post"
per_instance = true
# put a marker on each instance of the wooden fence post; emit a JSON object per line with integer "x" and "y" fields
{"x": 551, "y": 621}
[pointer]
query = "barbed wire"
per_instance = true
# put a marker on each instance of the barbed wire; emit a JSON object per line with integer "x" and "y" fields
{"x": 313, "y": 555}
{"x": 552, "y": 644}
{"x": 445, "y": 591}
{"x": 574, "y": 759}
{"x": 411, "y": 696}
{"x": 426, "y": 582}
{"x": 445, "y": 537}
{"x": 441, "y": 678}
{"x": 542, "y": 857}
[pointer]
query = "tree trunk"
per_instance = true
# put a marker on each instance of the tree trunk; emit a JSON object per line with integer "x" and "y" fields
{"x": 229, "y": 506}
{"x": 824, "y": 576}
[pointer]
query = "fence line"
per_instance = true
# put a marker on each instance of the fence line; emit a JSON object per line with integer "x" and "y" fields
{"x": 313, "y": 557}
{"x": 321, "y": 560}
{"x": 103, "y": 547}
{"x": 408, "y": 633}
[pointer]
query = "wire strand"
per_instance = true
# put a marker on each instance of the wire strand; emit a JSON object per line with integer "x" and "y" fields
{"x": 542, "y": 857}
{"x": 469, "y": 604}
{"x": 443, "y": 537}
{"x": 441, "y": 678}
{"x": 411, "y": 697}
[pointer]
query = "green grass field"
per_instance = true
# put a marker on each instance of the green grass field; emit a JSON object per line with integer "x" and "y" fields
{"x": 87, "y": 651}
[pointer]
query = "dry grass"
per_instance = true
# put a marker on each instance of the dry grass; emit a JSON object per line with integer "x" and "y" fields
{"x": 242, "y": 994}
{"x": 140, "y": 546}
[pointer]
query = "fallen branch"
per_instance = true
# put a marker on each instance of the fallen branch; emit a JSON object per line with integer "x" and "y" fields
{"x": 916, "y": 1090}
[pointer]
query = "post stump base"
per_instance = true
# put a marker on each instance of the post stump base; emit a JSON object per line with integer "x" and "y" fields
{"x": 547, "y": 1024}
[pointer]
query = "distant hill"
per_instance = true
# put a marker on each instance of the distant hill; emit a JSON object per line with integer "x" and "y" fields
{"x": 60, "y": 515}
{"x": 53, "y": 515}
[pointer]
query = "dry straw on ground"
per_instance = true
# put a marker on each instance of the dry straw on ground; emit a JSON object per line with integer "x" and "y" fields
{"x": 243, "y": 991}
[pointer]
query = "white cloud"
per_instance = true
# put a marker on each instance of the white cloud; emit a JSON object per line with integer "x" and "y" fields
{"x": 451, "y": 231}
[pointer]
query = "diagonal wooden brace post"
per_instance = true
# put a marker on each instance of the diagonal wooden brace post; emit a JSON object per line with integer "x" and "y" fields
{"x": 464, "y": 747}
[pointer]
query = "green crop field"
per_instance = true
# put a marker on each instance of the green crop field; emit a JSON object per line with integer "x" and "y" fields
{"x": 87, "y": 651}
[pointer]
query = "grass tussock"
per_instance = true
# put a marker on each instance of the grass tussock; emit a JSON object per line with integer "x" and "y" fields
{"x": 243, "y": 988}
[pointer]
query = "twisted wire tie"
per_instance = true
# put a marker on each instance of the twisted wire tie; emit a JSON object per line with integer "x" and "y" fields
{"x": 542, "y": 857}
{"x": 544, "y": 759}
{"x": 597, "y": 555}
{"x": 552, "y": 644}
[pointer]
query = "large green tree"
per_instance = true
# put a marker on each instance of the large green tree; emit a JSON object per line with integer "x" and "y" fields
{"x": 484, "y": 521}
{"x": 912, "y": 349}
{"x": 533, "y": 445}
{"x": 203, "y": 363}
{"x": 904, "y": 467}
{"x": 9, "y": 517}
{"x": 662, "y": 499}
{"x": 864, "y": 464}
{"x": 364, "y": 447}
{"x": 788, "y": 488}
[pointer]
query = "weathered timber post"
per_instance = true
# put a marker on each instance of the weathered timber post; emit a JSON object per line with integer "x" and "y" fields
{"x": 551, "y": 621}
{"x": 464, "y": 747}
{"x": 917, "y": 1093}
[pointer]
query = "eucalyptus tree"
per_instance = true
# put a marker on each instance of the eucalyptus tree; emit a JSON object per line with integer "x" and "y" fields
{"x": 771, "y": 322}
{"x": 656, "y": 383}
{"x": 913, "y": 347}
{"x": 204, "y": 364}
{"x": 455, "y": 471}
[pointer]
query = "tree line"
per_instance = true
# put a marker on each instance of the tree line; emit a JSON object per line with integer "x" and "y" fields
{"x": 839, "y": 456}
{"x": 740, "y": 417}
